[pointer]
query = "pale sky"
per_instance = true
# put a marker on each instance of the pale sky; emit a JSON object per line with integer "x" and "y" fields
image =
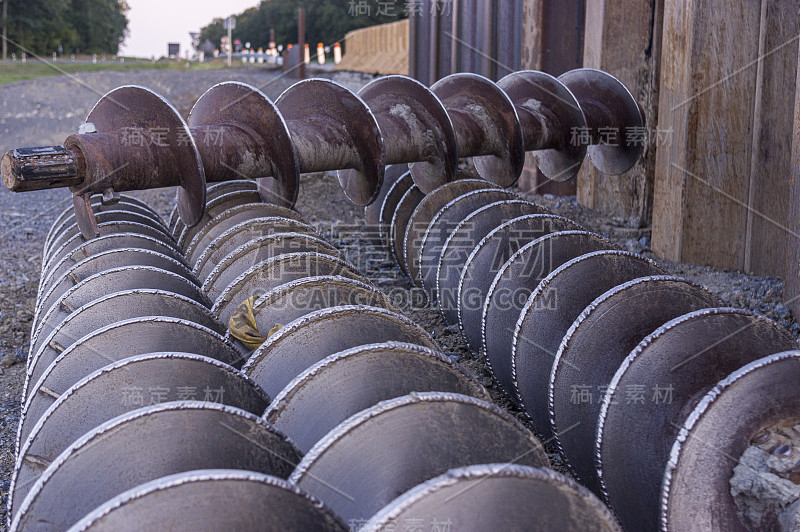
{"x": 154, "y": 23}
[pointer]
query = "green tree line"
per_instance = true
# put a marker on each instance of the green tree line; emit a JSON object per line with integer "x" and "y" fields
{"x": 327, "y": 21}
{"x": 77, "y": 26}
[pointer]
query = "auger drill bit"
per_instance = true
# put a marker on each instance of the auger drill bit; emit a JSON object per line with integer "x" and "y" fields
{"x": 582, "y": 110}
{"x": 486, "y": 124}
{"x": 416, "y": 129}
{"x": 133, "y": 139}
{"x": 333, "y": 129}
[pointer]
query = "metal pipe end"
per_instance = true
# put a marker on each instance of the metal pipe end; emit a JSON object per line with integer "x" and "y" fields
{"x": 38, "y": 168}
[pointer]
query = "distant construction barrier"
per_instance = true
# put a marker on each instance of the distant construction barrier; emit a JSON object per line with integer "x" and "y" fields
{"x": 382, "y": 48}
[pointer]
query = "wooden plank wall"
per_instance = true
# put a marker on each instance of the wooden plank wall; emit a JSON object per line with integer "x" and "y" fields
{"x": 791, "y": 276}
{"x": 624, "y": 39}
{"x": 728, "y": 77}
{"x": 382, "y": 48}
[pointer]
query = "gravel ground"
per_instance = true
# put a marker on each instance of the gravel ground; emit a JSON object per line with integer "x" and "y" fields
{"x": 40, "y": 112}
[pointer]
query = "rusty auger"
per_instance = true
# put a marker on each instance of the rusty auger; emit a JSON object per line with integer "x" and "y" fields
{"x": 133, "y": 139}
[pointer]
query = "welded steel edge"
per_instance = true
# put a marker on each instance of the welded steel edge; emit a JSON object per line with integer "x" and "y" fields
{"x": 613, "y": 334}
{"x": 272, "y": 353}
{"x": 107, "y": 242}
{"x": 106, "y": 229}
{"x": 274, "y": 296}
{"x": 372, "y": 211}
{"x": 399, "y": 223}
{"x": 415, "y": 127}
{"x": 117, "y": 306}
{"x": 260, "y": 249}
{"x": 565, "y": 274}
{"x": 68, "y": 264}
{"x": 549, "y": 114}
{"x": 527, "y": 449}
{"x": 390, "y": 200}
{"x": 774, "y": 377}
{"x": 486, "y": 124}
{"x": 531, "y": 225}
{"x": 542, "y": 252}
{"x": 333, "y": 129}
{"x": 174, "y": 223}
{"x": 214, "y": 207}
{"x": 280, "y": 306}
{"x": 67, "y": 217}
{"x": 264, "y": 143}
{"x": 242, "y": 432}
{"x": 89, "y": 402}
{"x": 460, "y": 249}
{"x": 66, "y": 306}
{"x": 240, "y": 233}
{"x": 122, "y": 200}
{"x": 66, "y": 366}
{"x": 253, "y": 277}
{"x": 579, "y": 509}
{"x": 241, "y": 211}
{"x": 469, "y": 201}
{"x": 231, "y": 217}
{"x": 73, "y": 228}
{"x": 302, "y": 411}
{"x": 107, "y": 260}
{"x": 234, "y": 499}
{"x": 182, "y": 307}
{"x": 623, "y": 512}
{"x": 424, "y": 213}
{"x": 458, "y": 246}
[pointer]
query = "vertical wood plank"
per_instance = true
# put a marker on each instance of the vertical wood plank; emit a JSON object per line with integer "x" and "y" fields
{"x": 707, "y": 98}
{"x": 622, "y": 38}
{"x": 791, "y": 276}
{"x": 772, "y": 140}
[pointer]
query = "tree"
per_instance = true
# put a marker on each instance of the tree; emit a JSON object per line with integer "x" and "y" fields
{"x": 38, "y": 26}
{"x": 100, "y": 24}
{"x": 88, "y": 26}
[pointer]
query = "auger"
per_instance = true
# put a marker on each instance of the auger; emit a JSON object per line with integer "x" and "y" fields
{"x": 326, "y": 383}
{"x": 606, "y": 354}
{"x": 133, "y": 139}
{"x": 130, "y": 354}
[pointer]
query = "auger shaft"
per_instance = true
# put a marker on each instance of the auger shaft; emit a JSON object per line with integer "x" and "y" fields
{"x": 133, "y": 139}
